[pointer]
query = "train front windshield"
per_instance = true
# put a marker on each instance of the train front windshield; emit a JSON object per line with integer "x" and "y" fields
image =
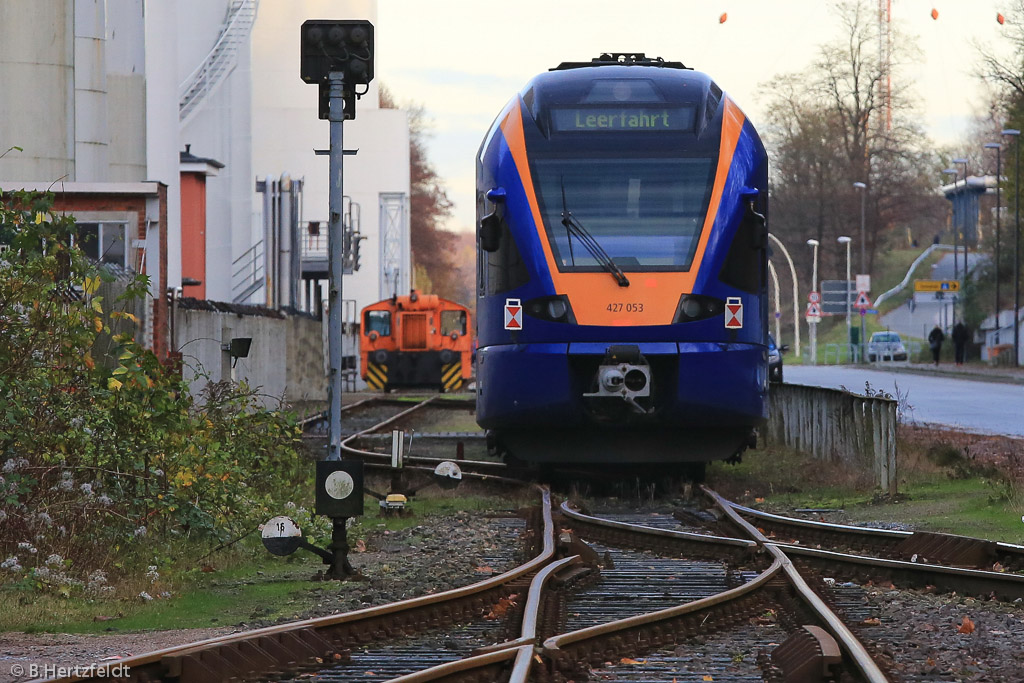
{"x": 646, "y": 213}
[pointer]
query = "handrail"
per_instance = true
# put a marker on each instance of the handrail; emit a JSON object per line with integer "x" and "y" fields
{"x": 910, "y": 273}
{"x": 196, "y": 83}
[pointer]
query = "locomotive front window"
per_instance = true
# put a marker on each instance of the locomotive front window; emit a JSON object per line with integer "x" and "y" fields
{"x": 646, "y": 213}
{"x": 379, "y": 322}
{"x": 453, "y": 321}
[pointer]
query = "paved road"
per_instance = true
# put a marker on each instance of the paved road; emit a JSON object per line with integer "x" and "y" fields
{"x": 918, "y": 322}
{"x": 972, "y": 405}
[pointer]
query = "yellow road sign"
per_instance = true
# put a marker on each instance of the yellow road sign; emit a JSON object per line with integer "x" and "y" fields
{"x": 936, "y": 286}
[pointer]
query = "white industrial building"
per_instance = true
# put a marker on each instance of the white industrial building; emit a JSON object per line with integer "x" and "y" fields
{"x": 104, "y": 107}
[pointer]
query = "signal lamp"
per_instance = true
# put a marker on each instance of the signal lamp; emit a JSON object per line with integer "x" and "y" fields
{"x": 332, "y": 46}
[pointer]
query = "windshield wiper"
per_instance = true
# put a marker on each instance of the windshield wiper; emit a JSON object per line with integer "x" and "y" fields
{"x": 574, "y": 227}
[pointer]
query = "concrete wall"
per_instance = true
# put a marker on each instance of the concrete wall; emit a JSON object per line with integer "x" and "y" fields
{"x": 834, "y": 425}
{"x": 284, "y": 362}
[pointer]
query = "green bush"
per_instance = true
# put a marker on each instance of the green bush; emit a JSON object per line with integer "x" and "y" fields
{"x": 101, "y": 457}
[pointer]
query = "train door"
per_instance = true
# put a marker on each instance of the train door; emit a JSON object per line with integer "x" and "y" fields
{"x": 414, "y": 331}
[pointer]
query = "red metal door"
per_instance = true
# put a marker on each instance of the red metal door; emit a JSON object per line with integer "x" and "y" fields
{"x": 414, "y": 331}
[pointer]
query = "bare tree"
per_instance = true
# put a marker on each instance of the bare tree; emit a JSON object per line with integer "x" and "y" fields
{"x": 828, "y": 127}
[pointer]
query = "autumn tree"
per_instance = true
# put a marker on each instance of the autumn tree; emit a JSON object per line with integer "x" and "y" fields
{"x": 438, "y": 259}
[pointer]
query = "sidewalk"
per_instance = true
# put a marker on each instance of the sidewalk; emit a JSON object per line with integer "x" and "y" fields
{"x": 976, "y": 370}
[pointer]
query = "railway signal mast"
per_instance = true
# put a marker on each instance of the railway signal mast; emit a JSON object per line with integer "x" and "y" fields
{"x": 337, "y": 56}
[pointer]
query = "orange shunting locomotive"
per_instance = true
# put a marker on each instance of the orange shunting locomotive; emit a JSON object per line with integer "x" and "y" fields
{"x": 419, "y": 340}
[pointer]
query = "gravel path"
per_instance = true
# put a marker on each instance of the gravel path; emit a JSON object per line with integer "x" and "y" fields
{"x": 444, "y": 553}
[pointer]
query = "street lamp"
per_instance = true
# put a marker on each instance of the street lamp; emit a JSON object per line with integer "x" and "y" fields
{"x": 956, "y": 274}
{"x": 999, "y": 176}
{"x": 956, "y": 233}
{"x": 863, "y": 262}
{"x": 1016, "y": 249}
{"x": 843, "y": 239}
{"x": 814, "y": 288}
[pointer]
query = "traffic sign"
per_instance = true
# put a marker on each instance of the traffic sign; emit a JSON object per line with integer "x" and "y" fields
{"x": 863, "y": 283}
{"x": 814, "y": 297}
{"x": 936, "y": 285}
{"x": 834, "y": 295}
{"x": 813, "y": 311}
{"x": 777, "y": 315}
{"x": 863, "y": 302}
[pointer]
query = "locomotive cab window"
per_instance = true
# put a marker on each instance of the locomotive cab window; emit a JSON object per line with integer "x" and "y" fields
{"x": 453, "y": 321}
{"x": 379, "y": 322}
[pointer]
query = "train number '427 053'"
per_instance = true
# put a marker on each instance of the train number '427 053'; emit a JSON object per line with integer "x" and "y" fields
{"x": 619, "y": 307}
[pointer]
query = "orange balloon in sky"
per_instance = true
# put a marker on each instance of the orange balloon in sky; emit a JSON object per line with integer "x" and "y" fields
{"x": 1000, "y": 18}
{"x": 721, "y": 19}
{"x": 935, "y": 13}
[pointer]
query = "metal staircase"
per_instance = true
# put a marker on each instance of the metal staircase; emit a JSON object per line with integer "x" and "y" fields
{"x": 220, "y": 61}
{"x": 248, "y": 273}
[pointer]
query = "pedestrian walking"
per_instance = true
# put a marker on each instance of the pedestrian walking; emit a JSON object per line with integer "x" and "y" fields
{"x": 935, "y": 339}
{"x": 960, "y": 337}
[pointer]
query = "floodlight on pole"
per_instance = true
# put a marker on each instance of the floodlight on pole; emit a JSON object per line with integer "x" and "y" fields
{"x": 999, "y": 210}
{"x": 1016, "y": 248}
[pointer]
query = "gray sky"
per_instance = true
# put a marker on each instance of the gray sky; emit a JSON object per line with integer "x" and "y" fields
{"x": 464, "y": 59}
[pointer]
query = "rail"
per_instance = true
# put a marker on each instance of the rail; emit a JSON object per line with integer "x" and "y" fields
{"x": 293, "y": 644}
{"x": 832, "y": 424}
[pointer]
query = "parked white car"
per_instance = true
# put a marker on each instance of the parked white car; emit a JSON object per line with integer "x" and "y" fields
{"x": 886, "y": 346}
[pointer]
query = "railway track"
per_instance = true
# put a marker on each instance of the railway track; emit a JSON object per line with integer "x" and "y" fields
{"x": 726, "y": 594}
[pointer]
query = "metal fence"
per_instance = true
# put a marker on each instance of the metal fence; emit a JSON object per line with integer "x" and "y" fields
{"x": 835, "y": 425}
{"x": 839, "y": 354}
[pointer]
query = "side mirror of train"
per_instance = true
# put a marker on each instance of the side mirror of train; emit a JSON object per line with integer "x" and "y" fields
{"x": 490, "y": 225}
{"x": 490, "y": 232}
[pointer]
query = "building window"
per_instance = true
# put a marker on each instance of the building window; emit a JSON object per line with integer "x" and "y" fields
{"x": 104, "y": 242}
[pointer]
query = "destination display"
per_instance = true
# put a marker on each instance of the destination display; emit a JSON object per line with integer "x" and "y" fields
{"x": 622, "y": 119}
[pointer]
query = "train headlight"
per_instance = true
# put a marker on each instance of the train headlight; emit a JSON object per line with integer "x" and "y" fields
{"x": 554, "y": 309}
{"x": 693, "y": 307}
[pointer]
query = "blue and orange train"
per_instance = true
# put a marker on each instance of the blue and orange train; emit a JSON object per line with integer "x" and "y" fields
{"x": 622, "y": 265}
